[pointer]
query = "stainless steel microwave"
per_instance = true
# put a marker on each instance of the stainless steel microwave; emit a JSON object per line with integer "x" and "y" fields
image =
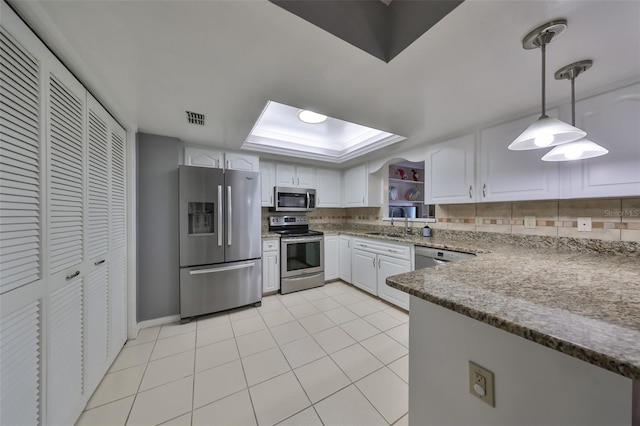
{"x": 294, "y": 199}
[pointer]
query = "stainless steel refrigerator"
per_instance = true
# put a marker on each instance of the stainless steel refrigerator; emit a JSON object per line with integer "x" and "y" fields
{"x": 220, "y": 240}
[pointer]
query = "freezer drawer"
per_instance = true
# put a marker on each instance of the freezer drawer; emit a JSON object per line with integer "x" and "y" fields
{"x": 214, "y": 288}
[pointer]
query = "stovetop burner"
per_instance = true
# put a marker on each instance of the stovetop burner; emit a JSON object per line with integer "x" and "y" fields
{"x": 291, "y": 226}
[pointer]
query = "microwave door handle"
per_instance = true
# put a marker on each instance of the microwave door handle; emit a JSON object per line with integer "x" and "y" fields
{"x": 308, "y": 200}
{"x": 219, "y": 215}
{"x": 229, "y": 218}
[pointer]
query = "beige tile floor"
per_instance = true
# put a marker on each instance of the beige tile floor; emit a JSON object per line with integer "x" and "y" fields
{"x": 333, "y": 355}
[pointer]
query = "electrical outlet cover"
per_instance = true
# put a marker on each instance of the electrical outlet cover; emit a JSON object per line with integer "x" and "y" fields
{"x": 529, "y": 221}
{"x": 584, "y": 224}
{"x": 483, "y": 378}
{"x": 478, "y": 220}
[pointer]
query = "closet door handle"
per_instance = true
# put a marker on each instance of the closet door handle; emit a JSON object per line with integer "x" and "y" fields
{"x": 99, "y": 262}
{"x": 75, "y": 274}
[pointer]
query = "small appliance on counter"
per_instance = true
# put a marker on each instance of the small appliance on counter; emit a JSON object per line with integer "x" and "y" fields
{"x": 220, "y": 240}
{"x": 302, "y": 253}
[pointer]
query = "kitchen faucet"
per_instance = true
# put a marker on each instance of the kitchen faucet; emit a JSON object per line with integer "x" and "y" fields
{"x": 406, "y": 219}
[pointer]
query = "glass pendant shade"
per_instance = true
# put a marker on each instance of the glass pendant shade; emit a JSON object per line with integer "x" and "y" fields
{"x": 577, "y": 150}
{"x": 546, "y": 132}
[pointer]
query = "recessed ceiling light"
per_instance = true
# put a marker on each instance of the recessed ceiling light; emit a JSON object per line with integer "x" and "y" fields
{"x": 311, "y": 117}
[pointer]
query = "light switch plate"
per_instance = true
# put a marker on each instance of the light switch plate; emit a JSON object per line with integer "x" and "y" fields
{"x": 529, "y": 221}
{"x": 584, "y": 224}
{"x": 481, "y": 384}
{"x": 478, "y": 220}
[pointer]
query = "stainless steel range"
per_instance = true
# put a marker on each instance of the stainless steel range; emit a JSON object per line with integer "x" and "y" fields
{"x": 302, "y": 252}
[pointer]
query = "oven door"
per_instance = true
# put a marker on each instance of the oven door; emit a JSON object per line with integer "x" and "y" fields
{"x": 301, "y": 256}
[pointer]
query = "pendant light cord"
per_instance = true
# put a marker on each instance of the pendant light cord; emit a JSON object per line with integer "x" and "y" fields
{"x": 573, "y": 100}
{"x": 543, "y": 48}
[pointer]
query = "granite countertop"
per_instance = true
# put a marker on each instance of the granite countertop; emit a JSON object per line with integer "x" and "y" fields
{"x": 585, "y": 305}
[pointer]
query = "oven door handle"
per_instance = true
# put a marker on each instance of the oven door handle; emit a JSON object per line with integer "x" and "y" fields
{"x": 301, "y": 240}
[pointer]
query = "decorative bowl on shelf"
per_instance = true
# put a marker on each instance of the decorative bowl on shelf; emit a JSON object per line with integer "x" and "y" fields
{"x": 412, "y": 194}
{"x": 393, "y": 193}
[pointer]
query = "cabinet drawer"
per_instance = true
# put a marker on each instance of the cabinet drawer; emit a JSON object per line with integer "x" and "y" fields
{"x": 378, "y": 247}
{"x": 271, "y": 245}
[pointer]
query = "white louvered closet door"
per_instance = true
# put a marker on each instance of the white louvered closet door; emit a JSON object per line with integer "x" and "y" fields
{"x": 21, "y": 279}
{"x": 96, "y": 318}
{"x": 20, "y": 366}
{"x": 66, "y": 99}
{"x": 20, "y": 194}
{"x": 117, "y": 242}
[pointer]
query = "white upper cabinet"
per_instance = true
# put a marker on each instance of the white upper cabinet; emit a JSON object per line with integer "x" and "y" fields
{"x": 505, "y": 175}
{"x": 291, "y": 175}
{"x": 243, "y": 162}
{"x": 361, "y": 189}
{"x": 329, "y": 188}
{"x": 450, "y": 171}
{"x": 220, "y": 160}
{"x": 203, "y": 158}
{"x": 267, "y": 182}
{"x": 611, "y": 120}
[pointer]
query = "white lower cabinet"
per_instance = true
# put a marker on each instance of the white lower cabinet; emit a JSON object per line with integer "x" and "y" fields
{"x": 364, "y": 272}
{"x": 373, "y": 261}
{"x": 270, "y": 265}
{"x": 331, "y": 257}
{"x": 388, "y": 266}
{"x": 345, "y": 258}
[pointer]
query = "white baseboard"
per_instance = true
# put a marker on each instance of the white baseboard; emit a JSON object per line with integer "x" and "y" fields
{"x": 158, "y": 321}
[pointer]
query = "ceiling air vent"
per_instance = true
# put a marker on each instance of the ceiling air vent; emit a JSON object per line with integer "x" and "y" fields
{"x": 195, "y": 118}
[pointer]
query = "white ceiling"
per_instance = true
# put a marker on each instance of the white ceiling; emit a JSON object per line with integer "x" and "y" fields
{"x": 149, "y": 61}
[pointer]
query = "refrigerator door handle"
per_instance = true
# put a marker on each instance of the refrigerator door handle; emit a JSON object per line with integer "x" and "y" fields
{"x": 230, "y": 216}
{"x": 222, "y": 269}
{"x": 219, "y": 215}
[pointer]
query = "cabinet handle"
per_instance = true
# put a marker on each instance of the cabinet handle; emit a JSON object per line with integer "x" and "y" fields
{"x": 378, "y": 263}
{"x": 99, "y": 262}
{"x": 374, "y": 262}
{"x": 292, "y": 181}
{"x": 363, "y": 200}
{"x": 228, "y": 164}
{"x": 276, "y": 262}
{"x": 298, "y": 181}
{"x": 271, "y": 199}
{"x": 73, "y": 275}
{"x": 470, "y": 191}
{"x": 484, "y": 190}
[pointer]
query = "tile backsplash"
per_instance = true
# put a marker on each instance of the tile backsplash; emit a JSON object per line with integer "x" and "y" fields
{"x": 613, "y": 219}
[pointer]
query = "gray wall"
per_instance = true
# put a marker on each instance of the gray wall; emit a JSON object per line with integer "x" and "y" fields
{"x": 158, "y": 280}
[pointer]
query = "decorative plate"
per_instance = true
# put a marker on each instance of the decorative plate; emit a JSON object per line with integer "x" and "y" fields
{"x": 393, "y": 193}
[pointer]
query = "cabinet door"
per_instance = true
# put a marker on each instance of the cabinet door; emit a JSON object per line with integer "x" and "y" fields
{"x": 450, "y": 171}
{"x": 270, "y": 272}
{"x": 244, "y": 162}
{"x": 364, "y": 271}
{"x": 388, "y": 266}
{"x": 328, "y": 189}
{"x": 96, "y": 326}
{"x": 20, "y": 361}
{"x": 355, "y": 186}
{"x": 117, "y": 243}
{"x": 285, "y": 175}
{"x": 345, "y": 258}
{"x": 21, "y": 119}
{"x": 610, "y": 120}
{"x": 506, "y": 175}
{"x": 202, "y": 157}
{"x": 331, "y": 257}
{"x": 64, "y": 356}
{"x": 66, "y": 180}
{"x": 305, "y": 177}
{"x": 267, "y": 182}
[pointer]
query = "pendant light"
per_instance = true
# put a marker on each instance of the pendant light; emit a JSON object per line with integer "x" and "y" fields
{"x": 546, "y": 131}
{"x": 582, "y": 148}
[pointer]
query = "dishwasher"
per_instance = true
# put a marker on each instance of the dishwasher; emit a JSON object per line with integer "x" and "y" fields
{"x": 426, "y": 257}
